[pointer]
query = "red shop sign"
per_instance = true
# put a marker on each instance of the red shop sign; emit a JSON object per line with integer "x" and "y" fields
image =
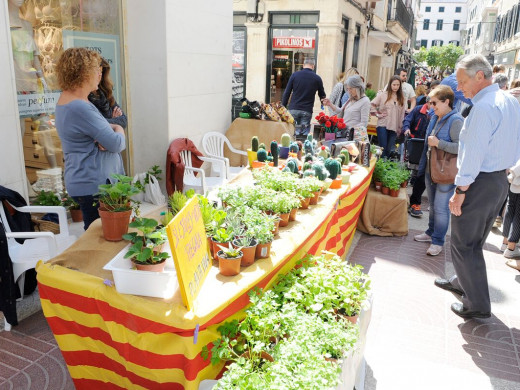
{"x": 293, "y": 43}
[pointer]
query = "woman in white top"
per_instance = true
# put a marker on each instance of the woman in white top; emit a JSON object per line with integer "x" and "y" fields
{"x": 356, "y": 111}
{"x": 389, "y": 107}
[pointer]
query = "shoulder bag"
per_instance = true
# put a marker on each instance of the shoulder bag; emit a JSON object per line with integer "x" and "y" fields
{"x": 443, "y": 165}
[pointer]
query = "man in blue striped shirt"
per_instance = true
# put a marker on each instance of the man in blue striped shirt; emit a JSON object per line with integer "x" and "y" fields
{"x": 489, "y": 144}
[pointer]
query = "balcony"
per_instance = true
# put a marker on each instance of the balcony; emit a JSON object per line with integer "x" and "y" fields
{"x": 399, "y": 13}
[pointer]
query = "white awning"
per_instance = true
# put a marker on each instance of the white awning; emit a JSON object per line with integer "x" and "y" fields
{"x": 384, "y": 36}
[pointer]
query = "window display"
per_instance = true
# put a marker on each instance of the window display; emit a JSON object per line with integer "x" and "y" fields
{"x": 40, "y": 31}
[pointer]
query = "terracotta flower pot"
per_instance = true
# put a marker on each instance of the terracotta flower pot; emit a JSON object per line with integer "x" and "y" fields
{"x": 305, "y": 203}
{"x": 216, "y": 248}
{"x": 276, "y": 229}
{"x": 292, "y": 214}
{"x": 315, "y": 198}
{"x": 156, "y": 267}
{"x": 263, "y": 251}
{"x": 257, "y": 164}
{"x": 228, "y": 267}
{"x": 385, "y": 190}
{"x": 251, "y": 156}
{"x": 404, "y": 184}
{"x": 336, "y": 183}
{"x": 76, "y": 215}
{"x": 248, "y": 253}
{"x": 114, "y": 224}
{"x": 284, "y": 219}
{"x": 394, "y": 193}
{"x": 378, "y": 185}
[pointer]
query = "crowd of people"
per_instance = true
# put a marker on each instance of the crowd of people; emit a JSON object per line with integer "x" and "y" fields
{"x": 472, "y": 114}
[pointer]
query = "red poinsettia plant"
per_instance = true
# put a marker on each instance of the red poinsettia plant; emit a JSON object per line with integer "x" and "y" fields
{"x": 331, "y": 123}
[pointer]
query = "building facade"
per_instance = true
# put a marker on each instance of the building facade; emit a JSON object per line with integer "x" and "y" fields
{"x": 478, "y": 36}
{"x": 167, "y": 70}
{"x": 440, "y": 23}
{"x": 277, "y": 35}
{"x": 506, "y": 37}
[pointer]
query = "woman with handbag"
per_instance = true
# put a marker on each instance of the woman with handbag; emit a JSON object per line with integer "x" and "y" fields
{"x": 440, "y": 170}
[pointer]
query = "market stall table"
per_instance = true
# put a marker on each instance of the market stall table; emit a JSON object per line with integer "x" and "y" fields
{"x": 384, "y": 215}
{"x": 242, "y": 130}
{"x": 113, "y": 340}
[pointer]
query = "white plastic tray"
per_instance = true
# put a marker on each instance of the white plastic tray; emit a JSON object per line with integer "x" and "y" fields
{"x": 145, "y": 283}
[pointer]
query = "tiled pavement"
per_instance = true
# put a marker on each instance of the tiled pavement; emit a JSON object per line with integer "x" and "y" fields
{"x": 414, "y": 340}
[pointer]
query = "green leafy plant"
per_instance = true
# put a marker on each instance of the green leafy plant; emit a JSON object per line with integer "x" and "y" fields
{"x": 117, "y": 196}
{"x": 146, "y": 241}
{"x": 47, "y": 198}
{"x": 230, "y": 252}
{"x": 178, "y": 200}
{"x": 69, "y": 203}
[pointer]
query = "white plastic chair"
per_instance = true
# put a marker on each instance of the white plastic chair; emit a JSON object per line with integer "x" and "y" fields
{"x": 213, "y": 146}
{"x": 38, "y": 246}
{"x": 201, "y": 183}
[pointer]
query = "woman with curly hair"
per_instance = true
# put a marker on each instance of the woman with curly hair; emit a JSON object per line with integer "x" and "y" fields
{"x": 91, "y": 145}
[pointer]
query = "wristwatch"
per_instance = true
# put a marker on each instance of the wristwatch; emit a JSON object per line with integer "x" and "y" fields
{"x": 459, "y": 191}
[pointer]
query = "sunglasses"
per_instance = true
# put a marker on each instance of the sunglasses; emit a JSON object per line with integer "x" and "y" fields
{"x": 434, "y": 104}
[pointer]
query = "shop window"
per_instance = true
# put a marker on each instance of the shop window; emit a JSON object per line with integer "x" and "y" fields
{"x": 40, "y": 31}
{"x": 295, "y": 18}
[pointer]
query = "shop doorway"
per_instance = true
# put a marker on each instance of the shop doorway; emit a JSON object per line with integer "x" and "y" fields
{"x": 290, "y": 47}
{"x": 292, "y": 39}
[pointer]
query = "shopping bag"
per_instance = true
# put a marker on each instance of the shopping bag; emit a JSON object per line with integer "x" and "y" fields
{"x": 153, "y": 193}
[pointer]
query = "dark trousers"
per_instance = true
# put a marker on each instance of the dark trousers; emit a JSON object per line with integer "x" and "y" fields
{"x": 468, "y": 235}
{"x": 511, "y": 225}
{"x": 386, "y": 139}
{"x": 89, "y": 208}
{"x": 418, "y": 188}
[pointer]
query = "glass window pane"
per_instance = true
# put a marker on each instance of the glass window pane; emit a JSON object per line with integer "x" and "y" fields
{"x": 40, "y": 32}
{"x": 281, "y": 19}
{"x": 308, "y": 19}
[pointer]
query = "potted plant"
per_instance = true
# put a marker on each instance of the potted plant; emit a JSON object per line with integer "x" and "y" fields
{"x": 221, "y": 235}
{"x": 393, "y": 182}
{"x": 248, "y": 245}
{"x": 47, "y": 222}
{"x": 229, "y": 259}
{"x": 147, "y": 244}
{"x": 262, "y": 232}
{"x": 116, "y": 206}
{"x": 332, "y": 124}
{"x": 71, "y": 205}
{"x": 333, "y": 166}
{"x": 251, "y": 153}
{"x": 284, "y": 149}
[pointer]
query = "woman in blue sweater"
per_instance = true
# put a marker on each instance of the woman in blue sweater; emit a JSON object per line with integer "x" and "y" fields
{"x": 91, "y": 145}
{"x": 443, "y": 133}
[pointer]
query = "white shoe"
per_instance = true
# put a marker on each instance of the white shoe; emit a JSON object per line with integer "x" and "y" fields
{"x": 510, "y": 254}
{"x": 422, "y": 238}
{"x": 434, "y": 250}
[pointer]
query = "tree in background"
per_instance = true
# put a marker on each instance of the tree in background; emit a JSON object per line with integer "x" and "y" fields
{"x": 439, "y": 57}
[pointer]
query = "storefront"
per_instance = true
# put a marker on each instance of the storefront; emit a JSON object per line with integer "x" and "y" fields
{"x": 165, "y": 68}
{"x": 40, "y": 32}
{"x": 293, "y": 39}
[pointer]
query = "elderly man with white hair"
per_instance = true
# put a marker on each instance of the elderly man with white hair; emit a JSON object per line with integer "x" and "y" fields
{"x": 356, "y": 111}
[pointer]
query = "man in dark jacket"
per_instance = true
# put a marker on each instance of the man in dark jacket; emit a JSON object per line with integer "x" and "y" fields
{"x": 303, "y": 85}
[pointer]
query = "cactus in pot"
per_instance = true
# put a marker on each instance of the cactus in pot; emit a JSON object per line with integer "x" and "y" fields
{"x": 275, "y": 152}
{"x": 293, "y": 148}
{"x": 320, "y": 171}
{"x": 251, "y": 153}
{"x": 261, "y": 155}
{"x": 286, "y": 142}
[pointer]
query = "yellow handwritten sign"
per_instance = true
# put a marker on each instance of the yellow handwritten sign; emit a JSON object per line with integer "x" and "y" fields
{"x": 189, "y": 245}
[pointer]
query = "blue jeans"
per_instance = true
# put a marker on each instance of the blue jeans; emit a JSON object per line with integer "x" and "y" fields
{"x": 90, "y": 212}
{"x": 302, "y": 121}
{"x": 386, "y": 139}
{"x": 439, "y": 196}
